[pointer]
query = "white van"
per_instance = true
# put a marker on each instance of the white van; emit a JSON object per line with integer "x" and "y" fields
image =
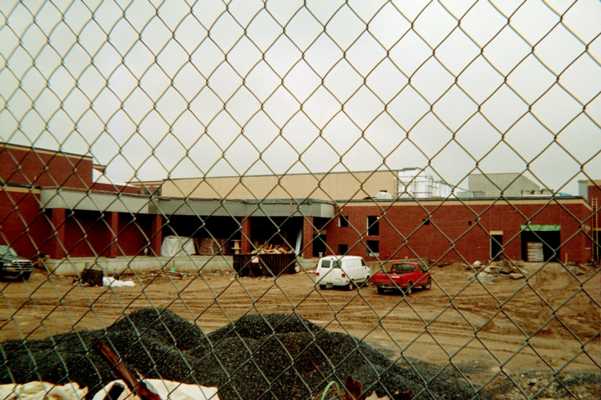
{"x": 344, "y": 271}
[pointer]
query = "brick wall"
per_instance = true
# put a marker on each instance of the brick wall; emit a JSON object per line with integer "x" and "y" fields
{"x": 134, "y": 234}
{"x": 87, "y": 234}
{"x": 22, "y": 225}
{"x": 107, "y": 187}
{"x": 458, "y": 232}
{"x": 41, "y": 168}
{"x": 594, "y": 192}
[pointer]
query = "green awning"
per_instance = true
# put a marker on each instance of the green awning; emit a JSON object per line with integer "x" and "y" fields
{"x": 541, "y": 228}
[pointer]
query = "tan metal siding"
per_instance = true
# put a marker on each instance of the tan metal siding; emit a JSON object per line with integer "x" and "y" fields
{"x": 334, "y": 186}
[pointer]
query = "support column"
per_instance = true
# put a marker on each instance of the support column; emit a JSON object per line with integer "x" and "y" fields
{"x": 245, "y": 241}
{"x": 156, "y": 236}
{"x": 307, "y": 237}
{"x": 113, "y": 234}
{"x": 59, "y": 220}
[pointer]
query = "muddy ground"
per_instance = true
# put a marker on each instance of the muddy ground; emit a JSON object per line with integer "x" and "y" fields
{"x": 550, "y": 320}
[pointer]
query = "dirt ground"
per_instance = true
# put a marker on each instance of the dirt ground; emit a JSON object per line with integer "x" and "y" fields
{"x": 550, "y": 320}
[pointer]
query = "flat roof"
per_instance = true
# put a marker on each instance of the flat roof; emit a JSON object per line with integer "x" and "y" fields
{"x": 201, "y": 178}
{"x": 43, "y": 150}
{"x": 469, "y": 201}
{"x": 99, "y": 200}
{"x": 591, "y": 181}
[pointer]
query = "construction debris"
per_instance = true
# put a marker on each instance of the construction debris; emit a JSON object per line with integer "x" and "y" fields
{"x": 489, "y": 273}
{"x": 92, "y": 276}
{"x": 259, "y": 356}
{"x": 272, "y": 249}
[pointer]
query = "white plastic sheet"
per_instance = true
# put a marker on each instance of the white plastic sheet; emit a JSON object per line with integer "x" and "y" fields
{"x": 109, "y": 281}
{"x": 165, "y": 389}
{"x": 41, "y": 391}
{"x": 177, "y": 245}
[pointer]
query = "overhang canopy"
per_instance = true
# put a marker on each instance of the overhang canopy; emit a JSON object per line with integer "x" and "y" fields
{"x": 93, "y": 201}
{"x": 243, "y": 208}
{"x": 131, "y": 203}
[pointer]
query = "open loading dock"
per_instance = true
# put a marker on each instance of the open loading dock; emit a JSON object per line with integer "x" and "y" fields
{"x": 540, "y": 242}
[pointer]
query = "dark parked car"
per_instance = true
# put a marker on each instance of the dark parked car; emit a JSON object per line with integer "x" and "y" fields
{"x": 13, "y": 266}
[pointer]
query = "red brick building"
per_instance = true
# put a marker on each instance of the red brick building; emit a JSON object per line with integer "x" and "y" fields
{"x": 50, "y": 204}
{"x": 465, "y": 230}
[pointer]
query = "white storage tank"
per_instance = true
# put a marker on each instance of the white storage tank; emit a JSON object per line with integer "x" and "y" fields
{"x": 414, "y": 183}
{"x": 384, "y": 195}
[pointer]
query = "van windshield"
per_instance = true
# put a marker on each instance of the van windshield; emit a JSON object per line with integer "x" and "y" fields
{"x": 330, "y": 263}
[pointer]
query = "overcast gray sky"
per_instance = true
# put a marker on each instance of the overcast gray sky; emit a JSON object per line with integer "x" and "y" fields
{"x": 156, "y": 89}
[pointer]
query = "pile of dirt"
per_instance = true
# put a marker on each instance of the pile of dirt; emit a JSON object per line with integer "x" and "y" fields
{"x": 257, "y": 357}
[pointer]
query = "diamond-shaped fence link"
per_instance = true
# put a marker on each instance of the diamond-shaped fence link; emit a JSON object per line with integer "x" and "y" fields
{"x": 281, "y": 199}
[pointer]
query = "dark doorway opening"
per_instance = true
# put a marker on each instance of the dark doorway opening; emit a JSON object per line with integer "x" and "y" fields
{"x": 320, "y": 240}
{"x": 496, "y": 247}
{"x": 540, "y": 245}
{"x": 319, "y": 245}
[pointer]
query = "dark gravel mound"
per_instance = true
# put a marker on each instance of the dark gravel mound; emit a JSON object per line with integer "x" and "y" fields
{"x": 257, "y": 357}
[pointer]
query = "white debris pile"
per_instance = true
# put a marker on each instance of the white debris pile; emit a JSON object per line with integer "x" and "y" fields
{"x": 109, "y": 281}
{"x": 165, "y": 389}
{"x": 502, "y": 269}
{"x": 41, "y": 391}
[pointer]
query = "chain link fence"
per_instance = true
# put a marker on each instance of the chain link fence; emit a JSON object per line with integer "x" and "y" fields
{"x": 176, "y": 177}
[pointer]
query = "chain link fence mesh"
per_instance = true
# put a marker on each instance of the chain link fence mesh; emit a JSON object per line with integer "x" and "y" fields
{"x": 184, "y": 149}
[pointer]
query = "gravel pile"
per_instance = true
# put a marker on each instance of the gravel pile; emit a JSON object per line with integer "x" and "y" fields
{"x": 257, "y": 357}
{"x": 546, "y": 385}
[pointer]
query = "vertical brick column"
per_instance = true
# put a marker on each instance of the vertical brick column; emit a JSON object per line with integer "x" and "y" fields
{"x": 58, "y": 219}
{"x": 156, "y": 236}
{"x": 245, "y": 240}
{"x": 113, "y": 234}
{"x": 307, "y": 237}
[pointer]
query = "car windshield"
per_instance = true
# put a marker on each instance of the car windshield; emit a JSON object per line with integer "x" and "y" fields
{"x": 402, "y": 268}
{"x": 330, "y": 263}
{"x": 6, "y": 251}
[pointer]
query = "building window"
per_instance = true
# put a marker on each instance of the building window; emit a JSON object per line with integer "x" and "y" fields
{"x": 373, "y": 248}
{"x": 343, "y": 221}
{"x": 342, "y": 249}
{"x": 373, "y": 225}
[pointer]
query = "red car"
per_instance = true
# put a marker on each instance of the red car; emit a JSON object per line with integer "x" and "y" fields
{"x": 402, "y": 275}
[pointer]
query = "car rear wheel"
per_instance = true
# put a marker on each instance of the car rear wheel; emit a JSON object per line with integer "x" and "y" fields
{"x": 381, "y": 290}
{"x": 322, "y": 287}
